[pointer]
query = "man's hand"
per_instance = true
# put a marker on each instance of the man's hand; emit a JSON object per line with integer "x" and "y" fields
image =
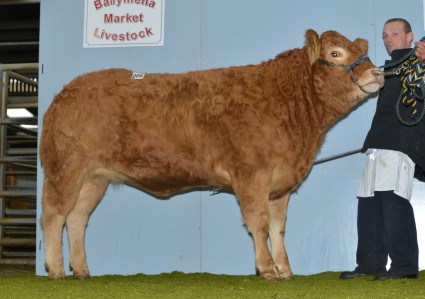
{"x": 420, "y": 50}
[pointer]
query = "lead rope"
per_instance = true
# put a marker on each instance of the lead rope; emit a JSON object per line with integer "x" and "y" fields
{"x": 412, "y": 77}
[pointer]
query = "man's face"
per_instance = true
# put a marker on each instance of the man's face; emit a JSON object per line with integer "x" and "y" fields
{"x": 395, "y": 36}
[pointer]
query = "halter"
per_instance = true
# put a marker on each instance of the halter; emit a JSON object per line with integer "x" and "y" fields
{"x": 349, "y": 68}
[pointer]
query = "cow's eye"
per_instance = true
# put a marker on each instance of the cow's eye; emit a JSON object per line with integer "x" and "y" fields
{"x": 335, "y": 54}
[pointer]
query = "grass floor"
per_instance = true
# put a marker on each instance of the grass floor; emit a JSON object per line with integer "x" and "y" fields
{"x": 201, "y": 285}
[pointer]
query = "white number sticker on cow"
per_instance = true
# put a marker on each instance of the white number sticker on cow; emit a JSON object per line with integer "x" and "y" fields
{"x": 254, "y": 130}
{"x": 137, "y": 76}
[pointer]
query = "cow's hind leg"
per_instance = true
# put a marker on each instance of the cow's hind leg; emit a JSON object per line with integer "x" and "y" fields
{"x": 91, "y": 193}
{"x": 253, "y": 200}
{"x": 55, "y": 209}
{"x": 278, "y": 210}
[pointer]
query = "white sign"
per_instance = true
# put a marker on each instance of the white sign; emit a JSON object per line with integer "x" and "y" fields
{"x": 123, "y": 23}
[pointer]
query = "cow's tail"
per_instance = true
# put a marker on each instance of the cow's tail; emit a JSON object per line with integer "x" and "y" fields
{"x": 48, "y": 151}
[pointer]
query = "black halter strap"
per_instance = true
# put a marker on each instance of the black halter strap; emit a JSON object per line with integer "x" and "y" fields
{"x": 348, "y": 68}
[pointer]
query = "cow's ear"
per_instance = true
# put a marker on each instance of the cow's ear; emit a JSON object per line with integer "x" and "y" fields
{"x": 363, "y": 44}
{"x": 313, "y": 44}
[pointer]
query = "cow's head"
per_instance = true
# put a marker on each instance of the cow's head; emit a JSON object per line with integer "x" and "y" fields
{"x": 344, "y": 62}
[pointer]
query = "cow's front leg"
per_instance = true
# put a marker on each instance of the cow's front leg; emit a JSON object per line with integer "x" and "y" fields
{"x": 253, "y": 199}
{"x": 278, "y": 209}
{"x": 257, "y": 223}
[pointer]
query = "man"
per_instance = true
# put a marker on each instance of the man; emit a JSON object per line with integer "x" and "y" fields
{"x": 386, "y": 223}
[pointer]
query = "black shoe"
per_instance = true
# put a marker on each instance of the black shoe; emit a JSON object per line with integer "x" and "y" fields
{"x": 351, "y": 274}
{"x": 390, "y": 275}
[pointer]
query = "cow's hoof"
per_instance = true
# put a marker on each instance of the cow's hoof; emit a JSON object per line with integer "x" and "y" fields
{"x": 56, "y": 276}
{"x": 285, "y": 277}
{"x": 81, "y": 276}
{"x": 268, "y": 276}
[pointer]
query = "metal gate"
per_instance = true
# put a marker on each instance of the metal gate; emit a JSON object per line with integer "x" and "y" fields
{"x": 18, "y": 163}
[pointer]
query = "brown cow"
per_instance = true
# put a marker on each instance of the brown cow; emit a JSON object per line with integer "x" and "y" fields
{"x": 253, "y": 129}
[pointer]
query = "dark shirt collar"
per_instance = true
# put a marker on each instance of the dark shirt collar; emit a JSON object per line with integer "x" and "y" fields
{"x": 397, "y": 54}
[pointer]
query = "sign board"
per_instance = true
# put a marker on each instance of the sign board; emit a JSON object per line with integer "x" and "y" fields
{"x": 123, "y": 23}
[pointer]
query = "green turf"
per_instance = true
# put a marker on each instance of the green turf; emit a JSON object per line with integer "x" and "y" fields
{"x": 179, "y": 285}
